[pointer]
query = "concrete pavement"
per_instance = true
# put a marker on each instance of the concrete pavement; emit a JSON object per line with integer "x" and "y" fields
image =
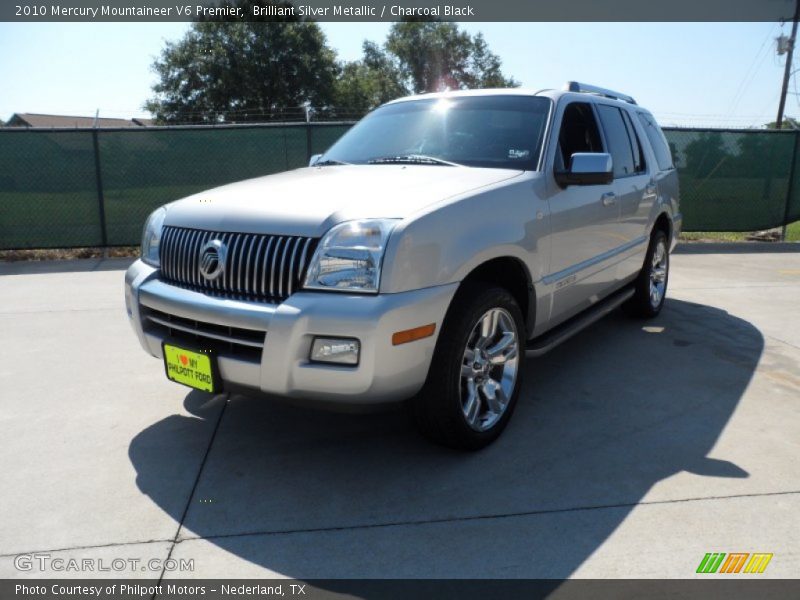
{"x": 636, "y": 448}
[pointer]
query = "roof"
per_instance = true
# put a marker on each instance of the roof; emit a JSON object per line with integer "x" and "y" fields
{"x": 518, "y": 91}
{"x": 553, "y": 94}
{"x": 51, "y": 121}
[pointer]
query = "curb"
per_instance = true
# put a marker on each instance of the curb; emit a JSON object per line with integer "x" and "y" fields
{"x": 73, "y": 265}
{"x": 735, "y": 247}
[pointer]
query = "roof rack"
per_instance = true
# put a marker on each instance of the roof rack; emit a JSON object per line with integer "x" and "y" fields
{"x": 574, "y": 86}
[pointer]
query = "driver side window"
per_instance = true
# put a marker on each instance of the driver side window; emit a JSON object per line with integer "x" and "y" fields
{"x": 578, "y": 133}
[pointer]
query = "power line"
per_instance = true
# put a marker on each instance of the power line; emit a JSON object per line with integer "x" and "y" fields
{"x": 749, "y": 77}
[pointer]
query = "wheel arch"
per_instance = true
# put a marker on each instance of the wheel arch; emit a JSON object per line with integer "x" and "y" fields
{"x": 663, "y": 222}
{"x": 511, "y": 274}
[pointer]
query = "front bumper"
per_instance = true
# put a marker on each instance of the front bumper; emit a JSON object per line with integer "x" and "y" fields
{"x": 385, "y": 373}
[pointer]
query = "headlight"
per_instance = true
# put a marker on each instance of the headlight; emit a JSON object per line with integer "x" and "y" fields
{"x": 349, "y": 256}
{"x": 151, "y": 236}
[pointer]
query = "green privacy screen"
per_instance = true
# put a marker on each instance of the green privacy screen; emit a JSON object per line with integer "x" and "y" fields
{"x": 49, "y": 185}
{"x": 48, "y": 190}
{"x": 735, "y": 180}
{"x": 96, "y": 187}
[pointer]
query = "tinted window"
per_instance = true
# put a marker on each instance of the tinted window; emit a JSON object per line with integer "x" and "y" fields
{"x": 578, "y": 133}
{"x": 619, "y": 144}
{"x": 479, "y": 131}
{"x": 636, "y": 145}
{"x": 657, "y": 141}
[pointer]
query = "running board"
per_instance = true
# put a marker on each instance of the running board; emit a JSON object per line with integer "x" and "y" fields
{"x": 566, "y": 330}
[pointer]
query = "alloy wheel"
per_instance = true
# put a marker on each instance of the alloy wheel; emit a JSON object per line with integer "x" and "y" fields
{"x": 489, "y": 369}
{"x": 658, "y": 274}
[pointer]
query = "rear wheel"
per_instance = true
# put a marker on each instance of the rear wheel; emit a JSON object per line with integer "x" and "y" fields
{"x": 651, "y": 284}
{"x": 475, "y": 374}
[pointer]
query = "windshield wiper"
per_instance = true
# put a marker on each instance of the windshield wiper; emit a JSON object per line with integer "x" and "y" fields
{"x": 329, "y": 162}
{"x": 411, "y": 159}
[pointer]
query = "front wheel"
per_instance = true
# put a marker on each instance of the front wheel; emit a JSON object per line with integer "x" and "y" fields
{"x": 475, "y": 374}
{"x": 651, "y": 285}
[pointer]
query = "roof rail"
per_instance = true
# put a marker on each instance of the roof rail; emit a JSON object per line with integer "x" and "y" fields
{"x": 574, "y": 86}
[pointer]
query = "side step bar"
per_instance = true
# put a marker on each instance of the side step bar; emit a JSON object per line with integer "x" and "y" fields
{"x": 566, "y": 330}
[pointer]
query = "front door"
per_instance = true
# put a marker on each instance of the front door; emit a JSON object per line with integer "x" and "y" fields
{"x": 584, "y": 220}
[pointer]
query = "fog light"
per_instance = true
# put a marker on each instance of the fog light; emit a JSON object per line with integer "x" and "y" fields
{"x": 343, "y": 351}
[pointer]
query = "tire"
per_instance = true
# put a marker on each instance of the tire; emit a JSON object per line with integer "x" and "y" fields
{"x": 474, "y": 380}
{"x": 651, "y": 284}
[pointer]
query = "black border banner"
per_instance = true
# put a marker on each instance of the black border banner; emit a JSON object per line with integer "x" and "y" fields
{"x": 395, "y": 10}
{"x": 710, "y": 587}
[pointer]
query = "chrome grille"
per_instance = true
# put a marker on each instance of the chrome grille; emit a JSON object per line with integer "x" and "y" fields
{"x": 268, "y": 267}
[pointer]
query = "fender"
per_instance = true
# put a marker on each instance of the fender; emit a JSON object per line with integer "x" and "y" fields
{"x": 496, "y": 222}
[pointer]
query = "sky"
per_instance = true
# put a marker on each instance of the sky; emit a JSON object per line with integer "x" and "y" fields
{"x": 693, "y": 74}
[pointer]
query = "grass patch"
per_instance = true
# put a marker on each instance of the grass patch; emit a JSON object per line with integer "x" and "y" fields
{"x": 792, "y": 235}
{"x": 793, "y": 232}
{"x": 68, "y": 253}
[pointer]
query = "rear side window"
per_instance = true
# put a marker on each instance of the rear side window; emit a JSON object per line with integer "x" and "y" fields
{"x": 619, "y": 144}
{"x": 657, "y": 141}
{"x": 636, "y": 145}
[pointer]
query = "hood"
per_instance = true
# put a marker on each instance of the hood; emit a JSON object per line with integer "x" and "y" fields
{"x": 310, "y": 201}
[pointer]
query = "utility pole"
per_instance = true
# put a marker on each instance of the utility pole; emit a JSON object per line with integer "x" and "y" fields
{"x": 787, "y": 73}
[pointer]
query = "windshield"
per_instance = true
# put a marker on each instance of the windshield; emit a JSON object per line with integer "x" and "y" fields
{"x": 503, "y": 132}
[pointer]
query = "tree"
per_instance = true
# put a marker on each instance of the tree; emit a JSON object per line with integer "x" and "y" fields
{"x": 246, "y": 71}
{"x": 366, "y": 83}
{"x": 418, "y": 57}
{"x": 432, "y": 56}
{"x": 788, "y": 123}
{"x": 243, "y": 71}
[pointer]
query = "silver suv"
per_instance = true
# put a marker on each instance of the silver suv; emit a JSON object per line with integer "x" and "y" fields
{"x": 421, "y": 258}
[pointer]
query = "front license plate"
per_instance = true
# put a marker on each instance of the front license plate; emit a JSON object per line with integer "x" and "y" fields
{"x": 195, "y": 369}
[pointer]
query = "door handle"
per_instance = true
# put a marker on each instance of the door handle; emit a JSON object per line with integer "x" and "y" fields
{"x": 609, "y": 199}
{"x": 650, "y": 191}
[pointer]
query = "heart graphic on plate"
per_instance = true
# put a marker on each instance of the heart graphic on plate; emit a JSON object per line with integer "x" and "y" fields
{"x": 184, "y": 360}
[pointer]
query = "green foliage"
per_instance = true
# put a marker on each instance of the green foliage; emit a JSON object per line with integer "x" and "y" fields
{"x": 242, "y": 71}
{"x": 432, "y": 56}
{"x": 252, "y": 71}
{"x": 364, "y": 84}
{"x": 419, "y": 57}
{"x": 788, "y": 123}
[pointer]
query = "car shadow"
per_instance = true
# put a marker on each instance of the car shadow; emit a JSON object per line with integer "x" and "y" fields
{"x": 600, "y": 421}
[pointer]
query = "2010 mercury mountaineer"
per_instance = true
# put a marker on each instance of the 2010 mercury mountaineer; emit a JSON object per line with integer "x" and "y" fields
{"x": 422, "y": 257}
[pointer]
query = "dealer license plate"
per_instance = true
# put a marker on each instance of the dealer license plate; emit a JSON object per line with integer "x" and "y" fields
{"x": 195, "y": 369}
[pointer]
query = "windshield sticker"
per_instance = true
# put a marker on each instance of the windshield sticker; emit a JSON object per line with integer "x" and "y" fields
{"x": 514, "y": 153}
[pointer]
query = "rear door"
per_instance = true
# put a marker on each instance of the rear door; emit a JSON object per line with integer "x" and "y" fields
{"x": 664, "y": 178}
{"x": 634, "y": 189}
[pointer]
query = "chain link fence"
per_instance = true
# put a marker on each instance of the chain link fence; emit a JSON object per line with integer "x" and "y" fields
{"x": 736, "y": 180}
{"x": 95, "y": 187}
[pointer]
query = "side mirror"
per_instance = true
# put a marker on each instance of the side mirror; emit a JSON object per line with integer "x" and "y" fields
{"x": 313, "y": 160}
{"x": 587, "y": 168}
